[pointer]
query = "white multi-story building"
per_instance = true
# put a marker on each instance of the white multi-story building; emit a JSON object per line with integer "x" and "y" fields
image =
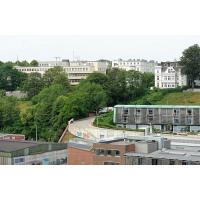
{"x": 168, "y": 75}
{"x": 135, "y": 64}
{"x": 76, "y": 70}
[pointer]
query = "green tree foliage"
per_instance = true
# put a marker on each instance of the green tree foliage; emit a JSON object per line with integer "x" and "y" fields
{"x": 34, "y": 63}
{"x": 56, "y": 75}
{"x": 33, "y": 84}
{"x": 10, "y": 78}
{"x": 9, "y": 113}
{"x": 23, "y": 63}
{"x": 97, "y": 78}
{"x": 116, "y": 86}
{"x": 190, "y": 61}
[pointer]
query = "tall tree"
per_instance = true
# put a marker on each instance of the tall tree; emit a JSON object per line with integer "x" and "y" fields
{"x": 190, "y": 61}
{"x": 34, "y": 63}
{"x": 10, "y": 78}
{"x": 56, "y": 75}
{"x": 33, "y": 84}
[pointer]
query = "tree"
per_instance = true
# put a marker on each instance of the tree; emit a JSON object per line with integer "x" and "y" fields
{"x": 97, "y": 78}
{"x": 10, "y": 78}
{"x": 23, "y": 63}
{"x": 190, "y": 61}
{"x": 56, "y": 75}
{"x": 96, "y": 96}
{"x": 116, "y": 87}
{"x": 34, "y": 63}
{"x": 33, "y": 84}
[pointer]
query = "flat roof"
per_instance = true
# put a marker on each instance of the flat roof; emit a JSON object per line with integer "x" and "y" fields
{"x": 173, "y": 154}
{"x": 156, "y": 106}
{"x": 10, "y": 146}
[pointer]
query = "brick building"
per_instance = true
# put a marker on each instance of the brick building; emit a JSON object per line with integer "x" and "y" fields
{"x": 15, "y": 137}
{"x": 112, "y": 152}
{"x": 80, "y": 152}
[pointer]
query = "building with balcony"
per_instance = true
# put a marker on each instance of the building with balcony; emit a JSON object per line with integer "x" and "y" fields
{"x": 161, "y": 117}
{"x": 168, "y": 75}
{"x": 135, "y": 64}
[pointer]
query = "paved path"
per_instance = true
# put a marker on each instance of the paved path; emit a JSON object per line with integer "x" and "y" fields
{"x": 84, "y": 128}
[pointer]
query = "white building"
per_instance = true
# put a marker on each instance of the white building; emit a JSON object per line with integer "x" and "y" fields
{"x": 76, "y": 70}
{"x": 135, "y": 64}
{"x": 168, "y": 75}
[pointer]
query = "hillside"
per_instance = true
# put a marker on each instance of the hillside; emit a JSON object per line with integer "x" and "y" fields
{"x": 180, "y": 98}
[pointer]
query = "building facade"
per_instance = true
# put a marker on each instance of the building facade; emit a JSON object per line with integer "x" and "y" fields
{"x": 161, "y": 117}
{"x": 80, "y": 152}
{"x": 135, "y": 64}
{"x": 168, "y": 75}
{"x": 32, "y": 153}
{"x": 15, "y": 137}
{"x": 76, "y": 70}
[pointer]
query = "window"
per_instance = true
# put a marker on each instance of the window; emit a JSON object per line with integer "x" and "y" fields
{"x": 154, "y": 161}
{"x": 189, "y": 112}
{"x": 184, "y": 162}
{"x": 171, "y": 162}
{"x": 125, "y": 111}
{"x": 111, "y": 163}
{"x": 176, "y": 112}
{"x": 109, "y": 152}
{"x": 150, "y": 111}
{"x": 117, "y": 153}
{"x": 138, "y": 111}
{"x": 157, "y": 78}
{"x": 101, "y": 151}
{"x": 125, "y": 119}
{"x": 139, "y": 161}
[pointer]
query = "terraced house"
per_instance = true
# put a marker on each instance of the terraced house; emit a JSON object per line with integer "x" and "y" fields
{"x": 162, "y": 117}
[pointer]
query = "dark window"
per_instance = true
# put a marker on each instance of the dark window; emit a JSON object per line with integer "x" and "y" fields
{"x": 101, "y": 151}
{"x": 189, "y": 112}
{"x": 138, "y": 111}
{"x": 111, "y": 163}
{"x": 125, "y": 111}
{"x": 150, "y": 112}
{"x": 172, "y": 162}
{"x": 125, "y": 119}
{"x": 117, "y": 153}
{"x": 184, "y": 162}
{"x": 109, "y": 152}
{"x": 139, "y": 161}
{"x": 154, "y": 161}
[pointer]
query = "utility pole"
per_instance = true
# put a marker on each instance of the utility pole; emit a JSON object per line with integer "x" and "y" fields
{"x": 36, "y": 132}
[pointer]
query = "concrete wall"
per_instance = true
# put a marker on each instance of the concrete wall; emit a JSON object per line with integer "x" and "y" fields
{"x": 146, "y": 147}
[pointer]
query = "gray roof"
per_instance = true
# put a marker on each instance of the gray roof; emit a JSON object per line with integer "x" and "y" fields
{"x": 10, "y": 146}
{"x": 81, "y": 144}
{"x": 169, "y": 154}
{"x": 156, "y": 106}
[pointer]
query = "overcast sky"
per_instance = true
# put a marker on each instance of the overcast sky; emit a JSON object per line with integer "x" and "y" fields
{"x": 160, "y": 48}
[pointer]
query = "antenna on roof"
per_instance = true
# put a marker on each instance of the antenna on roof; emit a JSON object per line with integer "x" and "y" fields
{"x": 57, "y": 59}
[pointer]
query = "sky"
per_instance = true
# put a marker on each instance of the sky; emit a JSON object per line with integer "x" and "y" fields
{"x": 159, "y": 48}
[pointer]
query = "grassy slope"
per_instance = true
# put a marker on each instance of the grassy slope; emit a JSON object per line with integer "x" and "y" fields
{"x": 181, "y": 98}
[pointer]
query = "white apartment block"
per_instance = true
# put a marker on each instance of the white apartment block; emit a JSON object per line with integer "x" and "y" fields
{"x": 168, "y": 75}
{"x": 135, "y": 64}
{"x": 76, "y": 70}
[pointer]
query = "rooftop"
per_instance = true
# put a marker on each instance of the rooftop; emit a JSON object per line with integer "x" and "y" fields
{"x": 155, "y": 106}
{"x": 176, "y": 154}
{"x": 10, "y": 146}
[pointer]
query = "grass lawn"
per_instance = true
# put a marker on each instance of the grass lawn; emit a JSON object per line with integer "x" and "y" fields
{"x": 181, "y": 98}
